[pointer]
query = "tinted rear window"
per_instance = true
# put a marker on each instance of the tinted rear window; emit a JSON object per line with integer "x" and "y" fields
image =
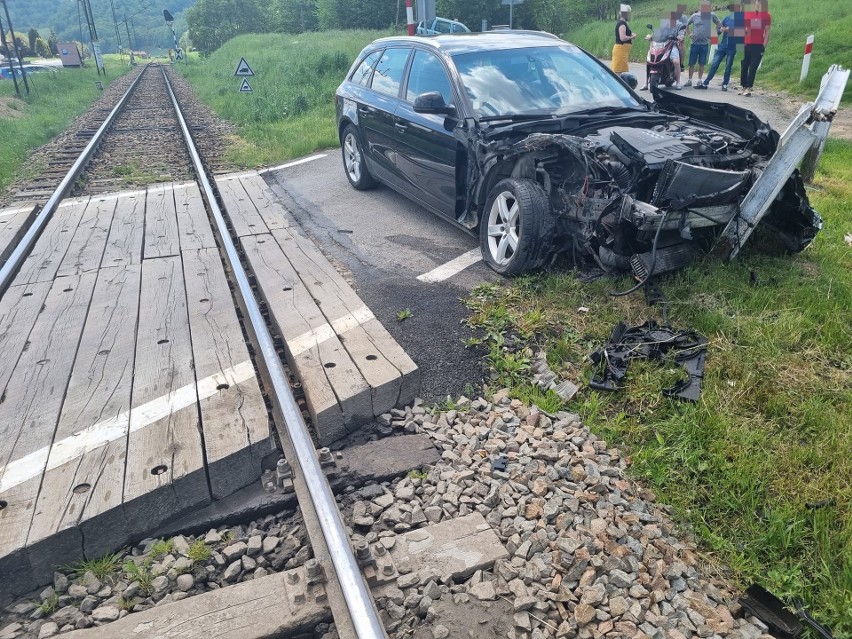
{"x": 388, "y": 75}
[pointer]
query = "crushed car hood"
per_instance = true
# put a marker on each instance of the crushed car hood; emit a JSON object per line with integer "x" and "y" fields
{"x": 642, "y": 191}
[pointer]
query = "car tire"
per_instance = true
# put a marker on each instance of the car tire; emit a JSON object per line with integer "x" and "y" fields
{"x": 516, "y": 230}
{"x": 354, "y": 164}
{"x": 655, "y": 81}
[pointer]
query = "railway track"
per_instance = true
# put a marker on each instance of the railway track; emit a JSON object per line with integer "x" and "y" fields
{"x": 146, "y": 128}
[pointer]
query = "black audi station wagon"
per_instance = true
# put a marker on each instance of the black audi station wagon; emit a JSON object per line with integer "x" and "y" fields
{"x": 538, "y": 147}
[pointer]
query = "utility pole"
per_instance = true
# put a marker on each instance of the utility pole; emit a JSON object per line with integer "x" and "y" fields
{"x": 9, "y": 52}
{"x": 17, "y": 50}
{"x": 129, "y": 41}
{"x": 115, "y": 24}
{"x": 93, "y": 33}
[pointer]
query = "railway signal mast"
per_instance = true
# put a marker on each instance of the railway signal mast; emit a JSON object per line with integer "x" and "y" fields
{"x": 170, "y": 20}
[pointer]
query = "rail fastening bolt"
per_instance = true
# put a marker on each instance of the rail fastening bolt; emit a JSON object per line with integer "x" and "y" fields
{"x": 325, "y": 457}
{"x": 313, "y": 568}
{"x": 292, "y": 577}
{"x": 362, "y": 550}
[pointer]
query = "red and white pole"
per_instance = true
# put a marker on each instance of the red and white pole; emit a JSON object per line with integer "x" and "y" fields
{"x": 806, "y": 61}
{"x": 409, "y": 13}
{"x": 714, "y": 42}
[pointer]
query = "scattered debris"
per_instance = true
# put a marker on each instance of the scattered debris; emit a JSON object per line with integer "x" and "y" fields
{"x": 653, "y": 342}
{"x": 770, "y": 610}
{"x": 545, "y": 379}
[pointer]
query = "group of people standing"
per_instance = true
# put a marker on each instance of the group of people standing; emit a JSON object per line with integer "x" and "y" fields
{"x": 746, "y": 28}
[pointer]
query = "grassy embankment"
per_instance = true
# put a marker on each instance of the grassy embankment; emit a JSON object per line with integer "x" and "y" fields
{"x": 55, "y": 100}
{"x": 793, "y": 21}
{"x": 773, "y": 429}
{"x": 290, "y": 111}
{"x": 761, "y": 466}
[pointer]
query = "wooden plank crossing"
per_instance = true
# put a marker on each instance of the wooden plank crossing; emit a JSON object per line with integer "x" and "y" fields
{"x": 350, "y": 367}
{"x": 237, "y": 434}
{"x": 161, "y": 227}
{"x": 195, "y": 229}
{"x": 50, "y": 248}
{"x": 14, "y": 222}
{"x": 87, "y": 487}
{"x": 243, "y": 214}
{"x": 33, "y": 401}
{"x": 124, "y": 244}
{"x": 164, "y": 448}
{"x": 127, "y": 393}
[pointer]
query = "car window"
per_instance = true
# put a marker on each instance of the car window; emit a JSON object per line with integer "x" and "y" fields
{"x": 539, "y": 80}
{"x": 442, "y": 26}
{"x": 428, "y": 74}
{"x": 388, "y": 75}
{"x": 365, "y": 70}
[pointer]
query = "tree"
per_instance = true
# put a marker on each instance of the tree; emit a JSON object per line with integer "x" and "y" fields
{"x": 296, "y": 16}
{"x": 32, "y": 36}
{"x": 355, "y": 14}
{"x": 42, "y": 48}
{"x": 214, "y": 22}
{"x": 53, "y": 43}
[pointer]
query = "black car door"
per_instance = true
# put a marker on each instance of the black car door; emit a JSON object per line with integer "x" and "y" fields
{"x": 376, "y": 113}
{"x": 425, "y": 150}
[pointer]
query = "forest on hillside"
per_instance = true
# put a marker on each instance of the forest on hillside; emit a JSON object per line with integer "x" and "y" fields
{"x": 138, "y": 23}
{"x": 213, "y": 22}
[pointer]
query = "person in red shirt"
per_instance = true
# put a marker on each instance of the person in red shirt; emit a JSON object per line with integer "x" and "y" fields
{"x": 757, "y": 24}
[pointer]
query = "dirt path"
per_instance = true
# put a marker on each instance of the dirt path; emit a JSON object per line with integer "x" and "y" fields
{"x": 776, "y": 107}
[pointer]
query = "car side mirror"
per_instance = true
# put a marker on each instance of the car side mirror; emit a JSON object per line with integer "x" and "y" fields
{"x": 433, "y": 102}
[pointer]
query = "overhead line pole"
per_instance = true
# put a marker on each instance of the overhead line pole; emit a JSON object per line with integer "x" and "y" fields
{"x": 11, "y": 68}
{"x": 17, "y": 50}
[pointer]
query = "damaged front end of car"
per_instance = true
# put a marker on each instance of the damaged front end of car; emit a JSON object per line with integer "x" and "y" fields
{"x": 647, "y": 193}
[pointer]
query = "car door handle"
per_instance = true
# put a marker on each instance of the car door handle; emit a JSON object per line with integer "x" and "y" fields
{"x": 364, "y": 110}
{"x": 400, "y": 127}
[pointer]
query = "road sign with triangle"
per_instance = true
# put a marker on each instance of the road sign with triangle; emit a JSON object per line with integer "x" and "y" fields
{"x": 243, "y": 69}
{"x": 245, "y": 87}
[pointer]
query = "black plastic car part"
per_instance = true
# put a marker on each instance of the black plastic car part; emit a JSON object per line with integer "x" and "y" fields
{"x": 653, "y": 342}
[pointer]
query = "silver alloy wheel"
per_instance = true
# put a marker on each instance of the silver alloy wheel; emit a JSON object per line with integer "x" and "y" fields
{"x": 352, "y": 156}
{"x": 503, "y": 227}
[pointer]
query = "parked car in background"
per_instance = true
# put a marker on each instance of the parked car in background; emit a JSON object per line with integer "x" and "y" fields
{"x": 538, "y": 147}
{"x": 440, "y": 26}
{"x": 29, "y": 69}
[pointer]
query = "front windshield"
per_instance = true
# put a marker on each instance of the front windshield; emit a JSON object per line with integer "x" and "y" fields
{"x": 538, "y": 81}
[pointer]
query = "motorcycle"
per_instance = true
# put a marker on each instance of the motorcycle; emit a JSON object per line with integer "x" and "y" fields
{"x": 660, "y": 67}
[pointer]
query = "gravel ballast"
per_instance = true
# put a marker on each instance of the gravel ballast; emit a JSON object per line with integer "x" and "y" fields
{"x": 591, "y": 555}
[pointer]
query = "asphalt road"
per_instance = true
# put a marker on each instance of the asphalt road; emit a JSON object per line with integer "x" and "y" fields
{"x": 382, "y": 242}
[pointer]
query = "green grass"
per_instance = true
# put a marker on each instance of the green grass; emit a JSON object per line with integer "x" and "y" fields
{"x": 102, "y": 567}
{"x": 772, "y": 431}
{"x": 290, "y": 111}
{"x": 55, "y": 100}
{"x": 141, "y": 573}
{"x": 199, "y": 552}
{"x": 792, "y": 22}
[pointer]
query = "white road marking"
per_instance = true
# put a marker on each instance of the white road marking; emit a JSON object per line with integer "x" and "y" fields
{"x": 307, "y": 341}
{"x": 446, "y": 271}
{"x": 311, "y": 158}
{"x": 242, "y": 174}
{"x": 93, "y": 437}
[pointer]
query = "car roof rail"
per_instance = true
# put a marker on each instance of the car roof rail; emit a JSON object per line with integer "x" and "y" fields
{"x": 525, "y": 32}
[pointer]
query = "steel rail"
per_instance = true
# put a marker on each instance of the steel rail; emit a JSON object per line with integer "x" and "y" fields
{"x": 25, "y": 245}
{"x": 359, "y": 602}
